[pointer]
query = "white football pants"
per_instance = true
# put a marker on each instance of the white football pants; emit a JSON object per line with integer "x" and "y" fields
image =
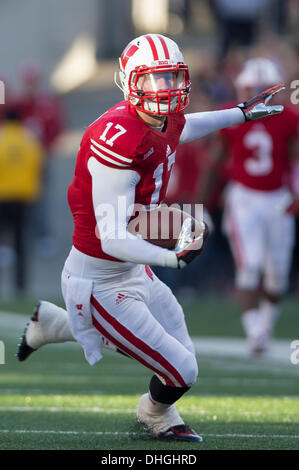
{"x": 139, "y": 314}
{"x": 261, "y": 237}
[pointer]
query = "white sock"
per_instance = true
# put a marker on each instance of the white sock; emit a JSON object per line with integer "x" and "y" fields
{"x": 155, "y": 406}
{"x": 269, "y": 312}
{"x": 54, "y": 322}
{"x": 156, "y": 416}
{"x": 251, "y": 322}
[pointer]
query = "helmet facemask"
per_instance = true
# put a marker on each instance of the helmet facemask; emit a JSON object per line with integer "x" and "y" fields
{"x": 159, "y": 90}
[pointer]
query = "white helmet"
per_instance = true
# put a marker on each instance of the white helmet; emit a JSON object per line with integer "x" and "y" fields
{"x": 153, "y": 75}
{"x": 258, "y": 73}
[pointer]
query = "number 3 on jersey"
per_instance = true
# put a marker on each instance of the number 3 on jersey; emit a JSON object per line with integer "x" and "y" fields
{"x": 109, "y": 125}
{"x": 261, "y": 144}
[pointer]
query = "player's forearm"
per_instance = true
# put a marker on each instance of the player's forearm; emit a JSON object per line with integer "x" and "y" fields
{"x": 136, "y": 250}
{"x": 201, "y": 124}
{"x": 113, "y": 194}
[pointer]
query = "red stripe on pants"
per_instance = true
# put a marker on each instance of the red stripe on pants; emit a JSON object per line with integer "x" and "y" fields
{"x": 137, "y": 342}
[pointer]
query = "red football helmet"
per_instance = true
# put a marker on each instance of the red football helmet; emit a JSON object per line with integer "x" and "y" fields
{"x": 154, "y": 76}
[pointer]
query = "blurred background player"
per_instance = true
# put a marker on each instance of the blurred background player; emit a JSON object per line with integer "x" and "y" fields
{"x": 41, "y": 112}
{"x": 21, "y": 163}
{"x": 258, "y": 202}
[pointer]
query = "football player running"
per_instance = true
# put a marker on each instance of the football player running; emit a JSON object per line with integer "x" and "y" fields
{"x": 258, "y": 204}
{"x": 111, "y": 295}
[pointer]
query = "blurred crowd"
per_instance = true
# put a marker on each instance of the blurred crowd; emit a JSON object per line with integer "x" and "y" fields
{"x": 30, "y": 122}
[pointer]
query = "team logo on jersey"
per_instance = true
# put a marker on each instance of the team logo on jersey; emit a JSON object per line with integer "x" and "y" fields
{"x": 120, "y": 298}
{"x": 168, "y": 151}
{"x": 79, "y": 307}
{"x": 149, "y": 153}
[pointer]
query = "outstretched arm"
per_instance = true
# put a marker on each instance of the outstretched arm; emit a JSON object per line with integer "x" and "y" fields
{"x": 201, "y": 124}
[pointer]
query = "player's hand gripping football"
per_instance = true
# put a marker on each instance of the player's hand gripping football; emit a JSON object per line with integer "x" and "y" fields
{"x": 256, "y": 107}
{"x": 187, "y": 247}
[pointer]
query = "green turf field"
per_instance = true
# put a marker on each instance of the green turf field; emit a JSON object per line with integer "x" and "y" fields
{"x": 55, "y": 400}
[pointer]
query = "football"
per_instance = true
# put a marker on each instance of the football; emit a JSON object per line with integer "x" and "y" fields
{"x": 162, "y": 225}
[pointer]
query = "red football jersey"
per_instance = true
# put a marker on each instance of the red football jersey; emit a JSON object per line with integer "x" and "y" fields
{"x": 121, "y": 139}
{"x": 259, "y": 150}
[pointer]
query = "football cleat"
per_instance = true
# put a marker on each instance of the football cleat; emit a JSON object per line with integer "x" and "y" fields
{"x": 24, "y": 350}
{"x": 157, "y": 421}
{"x": 181, "y": 432}
{"x": 258, "y": 337}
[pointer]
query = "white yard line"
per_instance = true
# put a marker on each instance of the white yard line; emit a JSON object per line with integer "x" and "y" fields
{"x": 120, "y": 433}
{"x": 12, "y": 324}
{"x": 55, "y": 409}
{"x": 258, "y": 436}
{"x": 279, "y": 352}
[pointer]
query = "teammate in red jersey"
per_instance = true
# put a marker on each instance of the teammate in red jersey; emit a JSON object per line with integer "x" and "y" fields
{"x": 41, "y": 111}
{"x": 260, "y": 231}
{"x": 111, "y": 295}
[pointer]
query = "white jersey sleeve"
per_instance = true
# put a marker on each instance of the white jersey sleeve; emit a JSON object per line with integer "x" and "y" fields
{"x": 113, "y": 195}
{"x": 201, "y": 124}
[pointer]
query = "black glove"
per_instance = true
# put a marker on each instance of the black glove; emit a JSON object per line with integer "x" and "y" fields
{"x": 256, "y": 107}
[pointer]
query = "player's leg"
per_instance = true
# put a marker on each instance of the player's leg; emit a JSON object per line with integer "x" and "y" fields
{"x": 167, "y": 311}
{"x": 48, "y": 324}
{"x": 280, "y": 243}
{"x": 160, "y": 398}
{"x": 269, "y": 310}
{"x": 121, "y": 314}
{"x": 244, "y": 227}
